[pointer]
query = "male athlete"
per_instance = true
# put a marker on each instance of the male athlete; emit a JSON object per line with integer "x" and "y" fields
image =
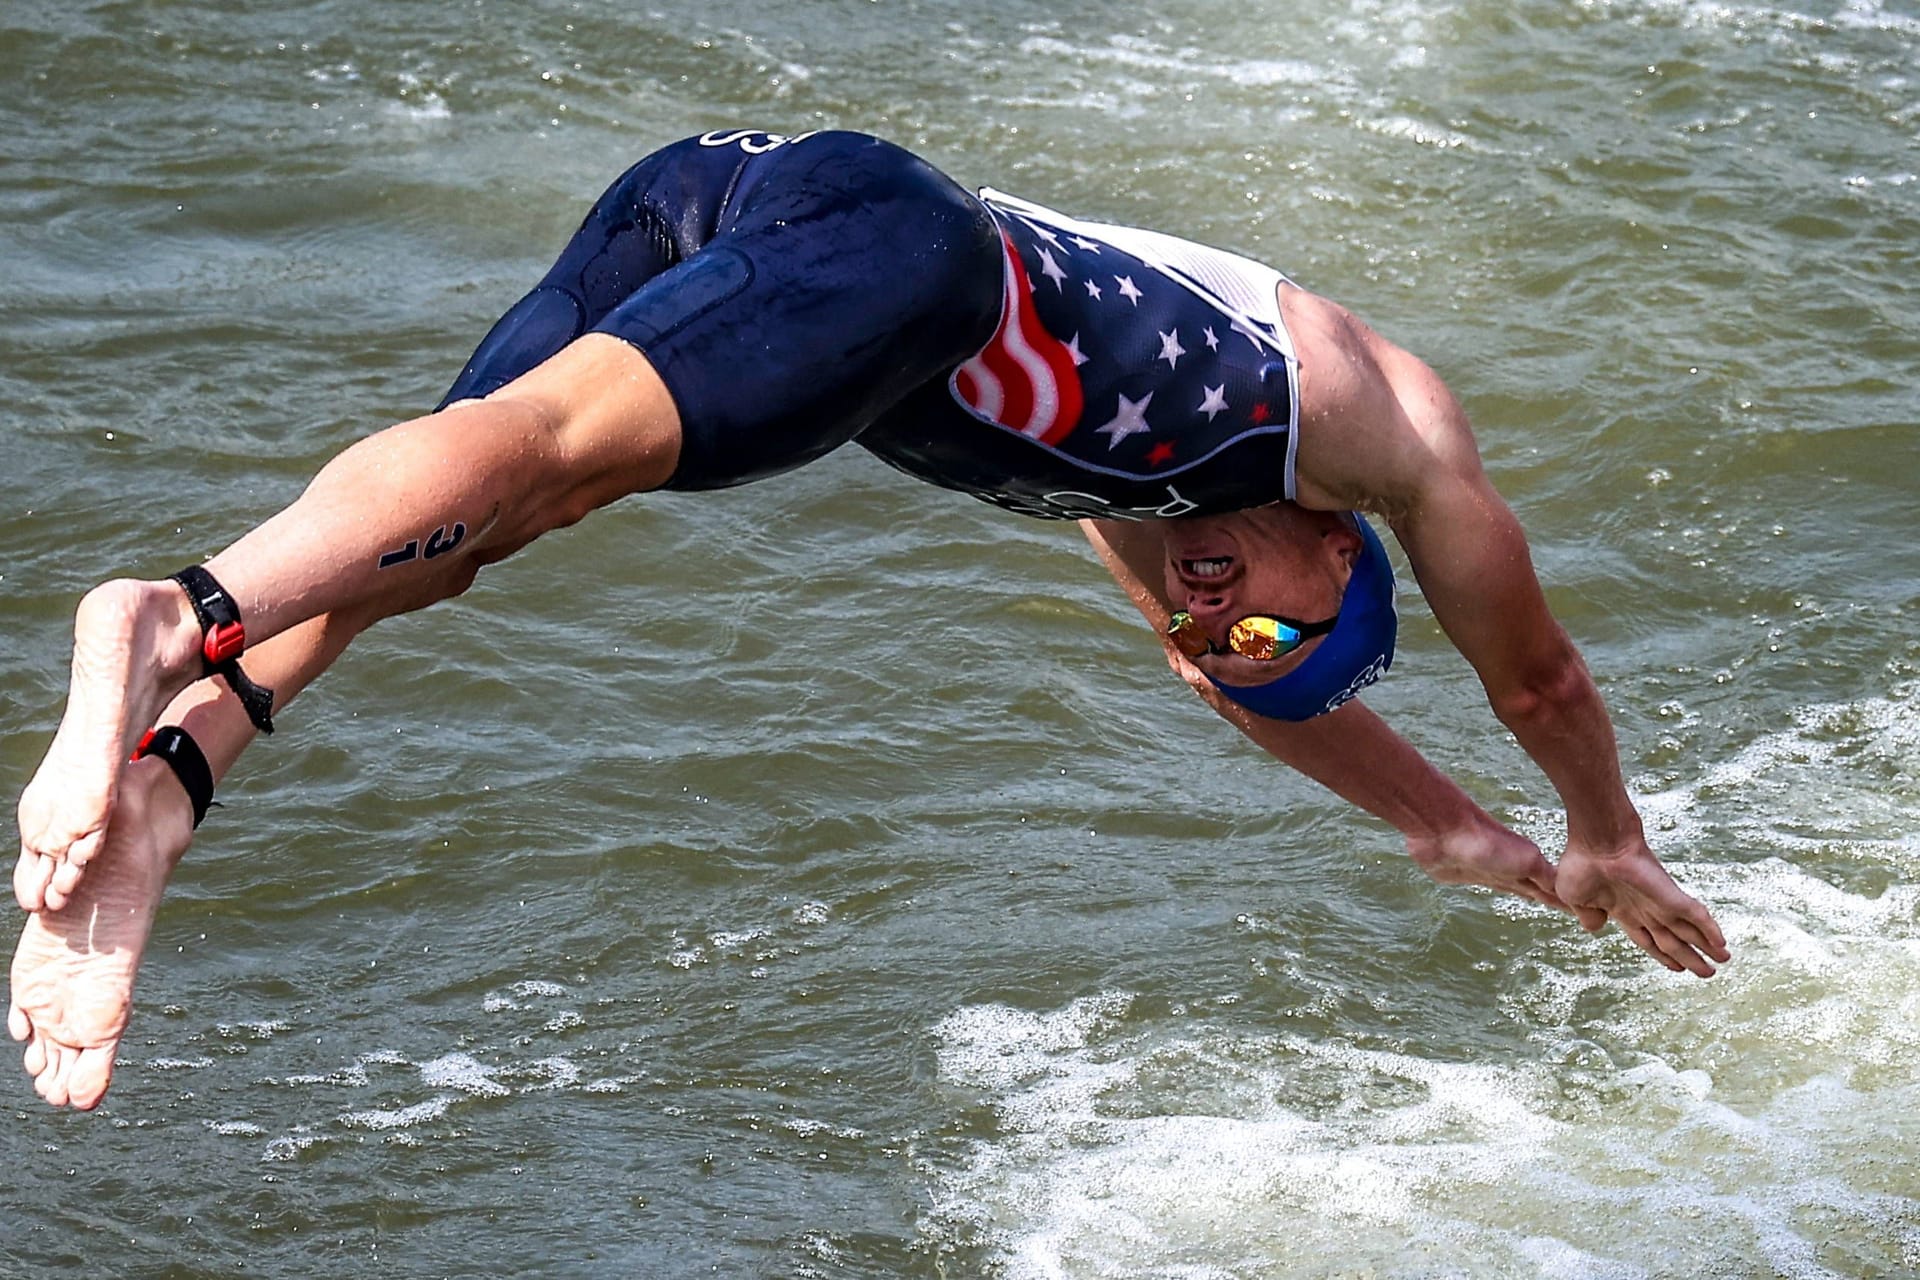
{"x": 742, "y": 303}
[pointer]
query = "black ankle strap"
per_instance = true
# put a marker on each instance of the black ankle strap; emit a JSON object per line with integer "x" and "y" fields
{"x": 225, "y": 638}
{"x": 189, "y": 764}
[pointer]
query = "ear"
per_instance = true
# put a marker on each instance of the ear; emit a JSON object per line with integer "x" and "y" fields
{"x": 1344, "y": 542}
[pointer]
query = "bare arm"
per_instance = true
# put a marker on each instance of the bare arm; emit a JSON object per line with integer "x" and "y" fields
{"x": 1380, "y": 431}
{"x": 1352, "y": 752}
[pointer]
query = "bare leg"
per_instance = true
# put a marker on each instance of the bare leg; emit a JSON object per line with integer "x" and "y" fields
{"x": 463, "y": 488}
{"x": 74, "y": 968}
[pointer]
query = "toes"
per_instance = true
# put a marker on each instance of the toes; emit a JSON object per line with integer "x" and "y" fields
{"x": 30, "y": 876}
{"x": 81, "y": 851}
{"x": 66, "y": 878}
{"x": 87, "y": 1079}
{"x": 63, "y": 1075}
{"x": 35, "y": 1058}
{"x": 51, "y": 1083}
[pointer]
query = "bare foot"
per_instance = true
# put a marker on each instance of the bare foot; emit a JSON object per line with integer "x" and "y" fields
{"x": 135, "y": 645}
{"x": 73, "y": 970}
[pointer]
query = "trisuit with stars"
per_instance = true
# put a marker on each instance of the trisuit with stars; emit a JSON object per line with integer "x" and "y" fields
{"x": 799, "y": 292}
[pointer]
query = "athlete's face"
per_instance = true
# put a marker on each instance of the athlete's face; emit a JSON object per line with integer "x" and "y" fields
{"x": 1280, "y": 559}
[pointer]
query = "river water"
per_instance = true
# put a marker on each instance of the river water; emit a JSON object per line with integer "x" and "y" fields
{"x": 825, "y": 878}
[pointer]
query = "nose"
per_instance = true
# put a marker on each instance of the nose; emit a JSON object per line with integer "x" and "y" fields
{"x": 1206, "y": 605}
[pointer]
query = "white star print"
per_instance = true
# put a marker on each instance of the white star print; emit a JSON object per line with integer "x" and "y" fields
{"x": 1170, "y": 348}
{"x": 1131, "y": 420}
{"x": 1127, "y": 289}
{"x": 1216, "y": 401}
{"x": 1093, "y": 291}
{"x": 1089, "y": 245}
{"x": 1043, "y": 233}
{"x": 1051, "y": 269}
{"x": 1213, "y": 343}
{"x": 1073, "y": 350}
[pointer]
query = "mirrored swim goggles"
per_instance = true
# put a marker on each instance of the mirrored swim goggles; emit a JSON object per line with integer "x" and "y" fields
{"x": 1352, "y": 656}
{"x": 1262, "y": 637}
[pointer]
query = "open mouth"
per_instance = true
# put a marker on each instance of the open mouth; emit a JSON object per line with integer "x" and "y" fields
{"x": 1207, "y": 573}
{"x": 1209, "y": 569}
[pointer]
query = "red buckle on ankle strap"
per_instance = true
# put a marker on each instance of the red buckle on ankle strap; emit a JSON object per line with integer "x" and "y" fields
{"x": 141, "y": 750}
{"x": 225, "y": 641}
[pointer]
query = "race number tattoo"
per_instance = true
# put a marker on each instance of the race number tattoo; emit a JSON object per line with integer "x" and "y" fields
{"x": 439, "y": 542}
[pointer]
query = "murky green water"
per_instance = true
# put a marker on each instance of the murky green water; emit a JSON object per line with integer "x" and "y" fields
{"x": 825, "y": 878}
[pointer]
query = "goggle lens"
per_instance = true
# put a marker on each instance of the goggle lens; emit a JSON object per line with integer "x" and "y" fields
{"x": 1187, "y": 636}
{"x": 1256, "y": 636}
{"x": 1262, "y": 638}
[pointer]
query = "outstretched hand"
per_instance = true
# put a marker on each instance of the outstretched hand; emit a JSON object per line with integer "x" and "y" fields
{"x": 1634, "y": 891}
{"x": 1488, "y": 855}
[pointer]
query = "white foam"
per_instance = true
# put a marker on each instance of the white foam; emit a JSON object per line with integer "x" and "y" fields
{"x": 555, "y": 1073}
{"x": 399, "y": 1117}
{"x": 462, "y": 1072}
{"x": 234, "y": 1128}
{"x": 1637, "y": 1124}
{"x": 290, "y": 1146}
{"x": 1144, "y": 55}
{"x": 1417, "y": 131}
{"x": 1286, "y": 1155}
{"x": 525, "y": 990}
{"x": 803, "y": 1128}
{"x": 735, "y": 942}
{"x": 262, "y": 1030}
{"x": 354, "y": 1075}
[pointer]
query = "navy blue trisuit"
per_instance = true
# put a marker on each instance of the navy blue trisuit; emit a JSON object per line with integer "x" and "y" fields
{"x": 799, "y": 292}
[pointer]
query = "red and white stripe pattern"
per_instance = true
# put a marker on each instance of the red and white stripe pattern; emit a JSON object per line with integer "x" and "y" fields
{"x": 1025, "y": 378}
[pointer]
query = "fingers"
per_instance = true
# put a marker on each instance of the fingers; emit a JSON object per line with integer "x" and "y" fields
{"x": 1644, "y": 939}
{"x": 1533, "y": 893}
{"x": 1663, "y": 945}
{"x": 1683, "y": 952}
{"x": 1703, "y": 935}
{"x": 1541, "y": 890}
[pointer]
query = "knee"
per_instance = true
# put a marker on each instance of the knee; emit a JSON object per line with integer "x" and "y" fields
{"x": 591, "y": 425}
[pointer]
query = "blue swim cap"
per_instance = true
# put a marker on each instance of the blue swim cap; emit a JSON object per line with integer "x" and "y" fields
{"x": 1352, "y": 656}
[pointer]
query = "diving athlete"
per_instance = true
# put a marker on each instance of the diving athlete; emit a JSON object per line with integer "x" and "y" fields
{"x": 741, "y": 303}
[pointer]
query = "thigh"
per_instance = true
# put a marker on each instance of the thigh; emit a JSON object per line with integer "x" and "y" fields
{"x": 842, "y": 273}
{"x": 655, "y": 215}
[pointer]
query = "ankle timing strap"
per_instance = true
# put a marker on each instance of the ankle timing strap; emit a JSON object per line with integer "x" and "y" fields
{"x": 189, "y": 764}
{"x": 224, "y": 639}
